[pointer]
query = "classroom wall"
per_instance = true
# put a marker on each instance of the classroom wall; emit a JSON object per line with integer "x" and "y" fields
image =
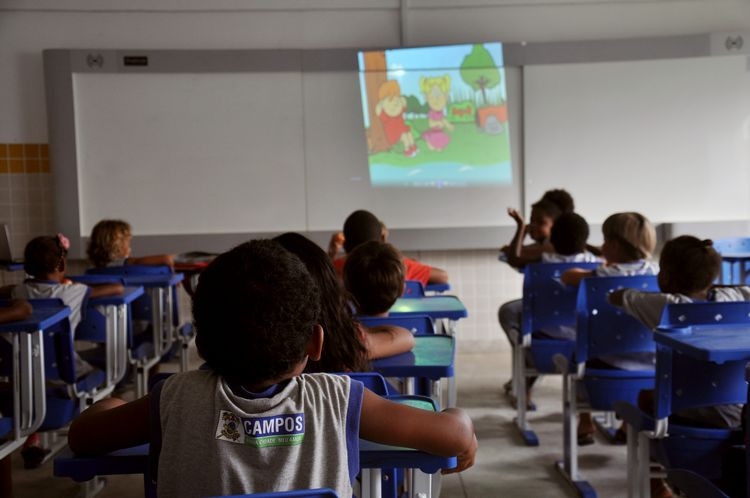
{"x": 29, "y": 26}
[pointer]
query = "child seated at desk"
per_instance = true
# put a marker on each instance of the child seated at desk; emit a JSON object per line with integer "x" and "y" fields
{"x": 688, "y": 268}
{"x": 348, "y": 345}
{"x": 374, "y": 276}
{"x": 45, "y": 262}
{"x": 362, "y": 226}
{"x": 257, "y": 312}
{"x": 629, "y": 241}
{"x": 110, "y": 246}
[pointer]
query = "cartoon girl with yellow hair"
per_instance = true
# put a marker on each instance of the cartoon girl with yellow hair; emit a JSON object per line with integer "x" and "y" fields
{"x": 435, "y": 91}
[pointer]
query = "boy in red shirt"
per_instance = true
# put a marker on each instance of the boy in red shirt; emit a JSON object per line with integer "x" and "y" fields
{"x": 363, "y": 226}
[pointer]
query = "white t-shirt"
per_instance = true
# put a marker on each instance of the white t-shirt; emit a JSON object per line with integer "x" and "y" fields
{"x": 581, "y": 257}
{"x": 648, "y": 306}
{"x": 640, "y": 267}
{"x": 74, "y": 296}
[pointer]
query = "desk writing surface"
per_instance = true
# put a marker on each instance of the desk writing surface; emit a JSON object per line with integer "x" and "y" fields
{"x": 434, "y": 306}
{"x": 129, "y": 294}
{"x": 431, "y": 357}
{"x": 716, "y": 343}
{"x": 40, "y": 319}
{"x": 159, "y": 280}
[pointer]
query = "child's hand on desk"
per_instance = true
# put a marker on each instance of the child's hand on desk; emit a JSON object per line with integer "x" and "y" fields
{"x": 465, "y": 459}
{"x": 336, "y": 244}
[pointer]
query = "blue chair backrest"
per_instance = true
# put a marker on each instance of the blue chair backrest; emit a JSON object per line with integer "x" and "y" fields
{"x": 93, "y": 327}
{"x": 683, "y": 314}
{"x": 416, "y": 324}
{"x": 372, "y": 381}
{"x": 547, "y": 302}
{"x": 311, "y": 493}
{"x": 732, "y": 245}
{"x": 413, "y": 288}
{"x": 603, "y": 329}
{"x": 692, "y": 383}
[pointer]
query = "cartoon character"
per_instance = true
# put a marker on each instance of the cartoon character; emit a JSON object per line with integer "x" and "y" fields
{"x": 390, "y": 109}
{"x": 435, "y": 91}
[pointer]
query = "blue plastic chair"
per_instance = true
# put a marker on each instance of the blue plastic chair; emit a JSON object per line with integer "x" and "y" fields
{"x": 732, "y": 271}
{"x": 311, "y": 493}
{"x": 413, "y": 288}
{"x": 602, "y": 330}
{"x": 547, "y": 303}
{"x": 694, "y": 485}
{"x": 417, "y": 324}
{"x": 684, "y": 382}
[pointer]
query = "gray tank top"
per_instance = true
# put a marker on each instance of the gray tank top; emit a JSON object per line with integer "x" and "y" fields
{"x": 214, "y": 442}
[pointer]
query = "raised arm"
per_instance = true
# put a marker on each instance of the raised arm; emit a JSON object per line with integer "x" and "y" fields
{"x": 104, "y": 290}
{"x": 111, "y": 424}
{"x": 575, "y": 275}
{"x": 387, "y": 340}
{"x": 448, "y": 433}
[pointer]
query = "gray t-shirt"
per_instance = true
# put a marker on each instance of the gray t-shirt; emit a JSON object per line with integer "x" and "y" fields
{"x": 217, "y": 441}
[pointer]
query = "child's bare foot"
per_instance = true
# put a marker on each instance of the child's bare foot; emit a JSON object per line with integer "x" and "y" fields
{"x": 585, "y": 429}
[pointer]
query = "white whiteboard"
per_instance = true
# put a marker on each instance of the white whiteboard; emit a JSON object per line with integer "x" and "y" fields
{"x": 189, "y": 153}
{"x": 240, "y": 152}
{"x": 668, "y": 138}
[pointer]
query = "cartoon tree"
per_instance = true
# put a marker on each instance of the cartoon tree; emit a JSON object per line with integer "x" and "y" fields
{"x": 375, "y": 75}
{"x": 478, "y": 70}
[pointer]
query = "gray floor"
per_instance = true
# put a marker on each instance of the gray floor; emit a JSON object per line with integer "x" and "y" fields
{"x": 504, "y": 466}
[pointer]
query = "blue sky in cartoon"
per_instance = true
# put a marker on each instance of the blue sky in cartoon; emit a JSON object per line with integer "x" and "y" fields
{"x": 407, "y": 65}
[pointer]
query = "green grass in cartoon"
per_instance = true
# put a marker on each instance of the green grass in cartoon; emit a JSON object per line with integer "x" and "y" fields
{"x": 469, "y": 145}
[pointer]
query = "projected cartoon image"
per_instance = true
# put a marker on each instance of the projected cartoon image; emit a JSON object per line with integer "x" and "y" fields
{"x": 436, "y": 116}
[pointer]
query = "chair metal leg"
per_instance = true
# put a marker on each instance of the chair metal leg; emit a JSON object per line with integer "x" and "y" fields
{"x": 632, "y": 461}
{"x": 644, "y": 454}
{"x": 420, "y": 485}
{"x": 529, "y": 437}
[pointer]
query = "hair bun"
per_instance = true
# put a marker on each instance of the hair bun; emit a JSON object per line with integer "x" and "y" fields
{"x": 707, "y": 243}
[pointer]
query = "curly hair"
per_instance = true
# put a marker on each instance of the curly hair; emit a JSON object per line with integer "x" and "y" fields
{"x": 688, "y": 264}
{"x": 343, "y": 349}
{"x": 561, "y": 198}
{"x": 374, "y": 274}
{"x": 106, "y": 242}
{"x": 569, "y": 234}
{"x": 255, "y": 309}
{"x": 43, "y": 255}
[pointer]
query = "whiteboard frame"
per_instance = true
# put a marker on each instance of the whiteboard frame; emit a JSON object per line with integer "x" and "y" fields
{"x": 60, "y": 65}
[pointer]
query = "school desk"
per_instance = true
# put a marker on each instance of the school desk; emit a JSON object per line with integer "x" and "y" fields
{"x": 431, "y": 359}
{"x": 192, "y": 272}
{"x": 117, "y": 333}
{"x": 725, "y": 346}
{"x": 29, "y": 397}
{"x": 439, "y": 288}
{"x": 373, "y": 458}
{"x": 436, "y": 307}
